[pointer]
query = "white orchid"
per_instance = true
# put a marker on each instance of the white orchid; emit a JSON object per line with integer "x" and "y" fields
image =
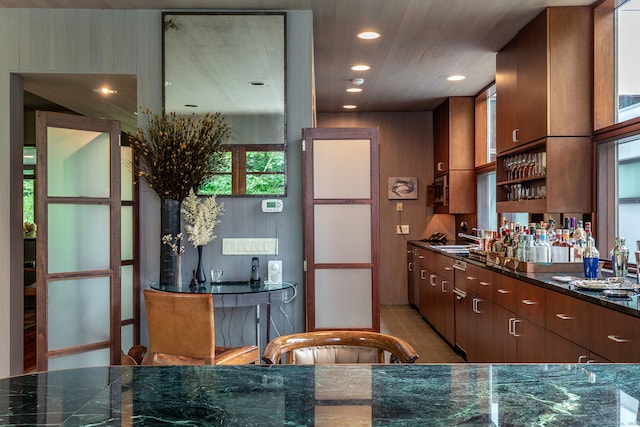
{"x": 174, "y": 243}
{"x": 201, "y": 218}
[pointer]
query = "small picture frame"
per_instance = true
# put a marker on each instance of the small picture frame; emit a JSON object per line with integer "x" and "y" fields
{"x": 403, "y": 187}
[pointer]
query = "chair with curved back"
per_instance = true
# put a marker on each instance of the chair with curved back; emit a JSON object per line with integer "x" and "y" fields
{"x": 333, "y": 347}
{"x": 182, "y": 332}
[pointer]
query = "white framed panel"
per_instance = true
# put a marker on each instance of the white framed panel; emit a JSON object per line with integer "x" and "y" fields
{"x": 126, "y": 231}
{"x": 343, "y": 298}
{"x": 342, "y": 233}
{"x": 79, "y": 312}
{"x": 342, "y": 169}
{"x": 126, "y": 292}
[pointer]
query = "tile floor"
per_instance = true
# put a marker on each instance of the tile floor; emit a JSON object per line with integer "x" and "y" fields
{"x": 405, "y": 322}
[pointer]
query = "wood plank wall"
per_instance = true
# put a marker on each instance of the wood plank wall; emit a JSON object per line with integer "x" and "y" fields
{"x": 406, "y": 149}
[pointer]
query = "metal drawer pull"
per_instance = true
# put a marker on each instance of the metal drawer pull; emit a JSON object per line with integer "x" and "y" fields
{"x": 529, "y": 302}
{"x": 410, "y": 266}
{"x": 448, "y": 268}
{"x": 485, "y": 283}
{"x": 420, "y": 257}
{"x": 475, "y": 305}
{"x": 471, "y": 278}
{"x": 515, "y": 334}
{"x": 431, "y": 278}
{"x": 617, "y": 339}
{"x": 582, "y": 357}
{"x": 503, "y": 291}
{"x": 564, "y": 317}
{"x": 511, "y": 320}
{"x": 444, "y": 286}
{"x": 423, "y": 274}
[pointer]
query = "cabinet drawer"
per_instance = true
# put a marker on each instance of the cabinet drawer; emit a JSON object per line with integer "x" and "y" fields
{"x": 615, "y": 336}
{"x": 466, "y": 280}
{"x": 486, "y": 283}
{"x": 531, "y": 302}
{"x": 568, "y": 317}
{"x": 444, "y": 267}
{"x": 504, "y": 293}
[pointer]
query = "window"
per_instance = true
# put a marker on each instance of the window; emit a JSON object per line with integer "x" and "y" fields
{"x": 486, "y": 215}
{"x": 251, "y": 170}
{"x": 28, "y": 184}
{"x": 618, "y": 122}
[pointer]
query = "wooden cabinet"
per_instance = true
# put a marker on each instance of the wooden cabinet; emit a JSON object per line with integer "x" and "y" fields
{"x": 543, "y": 106}
{"x": 544, "y": 79}
{"x": 453, "y": 130}
{"x": 569, "y": 318}
{"x": 614, "y": 335}
{"x": 413, "y": 274}
{"x": 436, "y": 295}
{"x": 552, "y": 175}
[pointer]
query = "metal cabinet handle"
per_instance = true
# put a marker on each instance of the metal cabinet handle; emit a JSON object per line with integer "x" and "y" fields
{"x": 563, "y": 317}
{"x": 529, "y": 302}
{"x": 448, "y": 268}
{"x": 503, "y": 291}
{"x": 421, "y": 257}
{"x": 511, "y": 320}
{"x": 444, "y": 286}
{"x": 471, "y": 278}
{"x": 423, "y": 274}
{"x": 475, "y": 305}
{"x": 485, "y": 283}
{"x": 431, "y": 279}
{"x": 581, "y": 357}
{"x": 617, "y": 339}
{"x": 410, "y": 266}
{"x": 515, "y": 334}
{"x": 514, "y": 135}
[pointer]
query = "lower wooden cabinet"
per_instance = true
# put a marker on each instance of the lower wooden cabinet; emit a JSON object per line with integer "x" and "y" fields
{"x": 615, "y": 336}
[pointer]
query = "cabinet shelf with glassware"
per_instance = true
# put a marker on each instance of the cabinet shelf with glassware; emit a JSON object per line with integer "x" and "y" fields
{"x": 553, "y": 175}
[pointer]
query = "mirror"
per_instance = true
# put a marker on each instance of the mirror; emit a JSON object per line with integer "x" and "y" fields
{"x": 234, "y": 64}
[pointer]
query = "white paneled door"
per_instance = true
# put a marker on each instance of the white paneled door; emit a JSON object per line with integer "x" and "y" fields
{"x": 79, "y": 241}
{"x": 341, "y": 217}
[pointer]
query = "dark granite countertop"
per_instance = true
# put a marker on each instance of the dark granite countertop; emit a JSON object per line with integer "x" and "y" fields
{"x": 385, "y": 395}
{"x": 629, "y": 305}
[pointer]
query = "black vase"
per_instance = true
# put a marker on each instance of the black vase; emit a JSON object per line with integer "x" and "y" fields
{"x": 200, "y": 277}
{"x": 169, "y": 224}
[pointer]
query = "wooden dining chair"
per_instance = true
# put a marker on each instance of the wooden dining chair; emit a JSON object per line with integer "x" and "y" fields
{"x": 333, "y": 347}
{"x": 182, "y": 332}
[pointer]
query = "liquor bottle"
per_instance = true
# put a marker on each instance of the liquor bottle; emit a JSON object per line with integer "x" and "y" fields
{"x": 543, "y": 250}
{"x": 590, "y": 258}
{"x": 530, "y": 249}
{"x": 619, "y": 258}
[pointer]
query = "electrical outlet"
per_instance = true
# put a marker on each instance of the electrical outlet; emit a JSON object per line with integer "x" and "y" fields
{"x": 402, "y": 229}
{"x": 399, "y": 207}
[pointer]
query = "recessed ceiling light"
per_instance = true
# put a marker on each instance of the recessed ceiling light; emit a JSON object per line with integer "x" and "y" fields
{"x": 191, "y": 105}
{"x": 105, "y": 90}
{"x": 456, "y": 77}
{"x": 349, "y": 107}
{"x": 256, "y": 83}
{"x": 368, "y": 35}
{"x": 354, "y": 89}
{"x": 360, "y": 67}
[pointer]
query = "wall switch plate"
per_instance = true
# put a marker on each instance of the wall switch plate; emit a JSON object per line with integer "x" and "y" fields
{"x": 399, "y": 207}
{"x": 249, "y": 246}
{"x": 402, "y": 229}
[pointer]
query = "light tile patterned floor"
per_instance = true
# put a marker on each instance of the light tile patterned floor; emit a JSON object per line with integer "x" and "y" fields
{"x": 405, "y": 322}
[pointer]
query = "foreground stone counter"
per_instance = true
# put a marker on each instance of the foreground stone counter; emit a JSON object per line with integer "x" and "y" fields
{"x": 401, "y": 395}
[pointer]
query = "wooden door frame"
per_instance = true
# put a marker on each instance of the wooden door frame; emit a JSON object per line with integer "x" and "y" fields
{"x": 308, "y": 135}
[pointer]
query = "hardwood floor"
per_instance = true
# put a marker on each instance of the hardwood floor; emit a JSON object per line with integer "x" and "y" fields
{"x": 405, "y": 322}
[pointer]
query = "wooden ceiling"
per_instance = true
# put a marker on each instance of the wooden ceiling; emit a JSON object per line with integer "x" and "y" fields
{"x": 423, "y": 41}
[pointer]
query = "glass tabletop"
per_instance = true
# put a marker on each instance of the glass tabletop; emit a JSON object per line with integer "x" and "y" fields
{"x": 225, "y": 287}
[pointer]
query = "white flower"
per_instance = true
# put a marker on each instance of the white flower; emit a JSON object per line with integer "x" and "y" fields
{"x": 168, "y": 240}
{"x": 201, "y": 218}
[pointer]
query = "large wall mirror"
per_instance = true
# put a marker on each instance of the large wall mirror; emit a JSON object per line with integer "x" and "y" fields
{"x": 233, "y": 63}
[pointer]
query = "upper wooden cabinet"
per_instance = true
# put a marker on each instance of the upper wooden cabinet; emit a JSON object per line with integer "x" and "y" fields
{"x": 454, "y": 157}
{"x": 544, "y": 79}
{"x": 453, "y": 142}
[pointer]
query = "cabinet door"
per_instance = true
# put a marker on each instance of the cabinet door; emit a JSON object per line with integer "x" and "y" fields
{"x": 529, "y": 341}
{"x": 481, "y": 332}
{"x": 561, "y": 350}
{"x": 504, "y": 342}
{"x": 441, "y": 138}
{"x": 615, "y": 336}
{"x": 426, "y": 296}
{"x": 446, "y": 302}
{"x": 486, "y": 283}
{"x": 467, "y": 280}
{"x": 506, "y": 96}
{"x": 532, "y": 80}
{"x": 411, "y": 269}
{"x": 531, "y": 303}
{"x": 568, "y": 317}
{"x": 464, "y": 329}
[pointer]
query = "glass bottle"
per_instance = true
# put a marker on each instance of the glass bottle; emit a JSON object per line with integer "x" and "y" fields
{"x": 543, "y": 249}
{"x": 590, "y": 258}
{"x": 619, "y": 258}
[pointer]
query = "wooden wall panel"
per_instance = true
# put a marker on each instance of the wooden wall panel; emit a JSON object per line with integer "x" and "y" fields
{"x": 406, "y": 149}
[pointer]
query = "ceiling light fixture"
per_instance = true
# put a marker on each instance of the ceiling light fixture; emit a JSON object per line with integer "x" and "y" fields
{"x": 354, "y": 90}
{"x": 368, "y": 35}
{"x": 360, "y": 67}
{"x": 191, "y": 105}
{"x": 456, "y": 77}
{"x": 256, "y": 83}
{"x": 105, "y": 90}
{"x": 349, "y": 107}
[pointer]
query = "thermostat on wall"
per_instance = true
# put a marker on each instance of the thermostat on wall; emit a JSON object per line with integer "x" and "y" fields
{"x": 272, "y": 205}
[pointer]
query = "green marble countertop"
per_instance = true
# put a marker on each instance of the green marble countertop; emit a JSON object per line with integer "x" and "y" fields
{"x": 385, "y": 395}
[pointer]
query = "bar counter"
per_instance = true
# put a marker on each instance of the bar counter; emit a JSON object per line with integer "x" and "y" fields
{"x": 389, "y": 395}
